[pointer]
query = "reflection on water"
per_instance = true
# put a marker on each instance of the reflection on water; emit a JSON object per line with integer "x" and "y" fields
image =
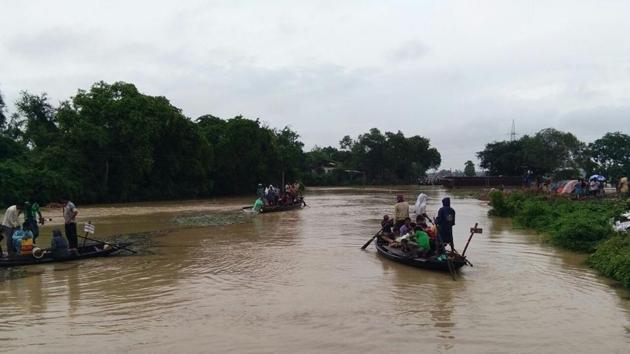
{"x": 217, "y": 280}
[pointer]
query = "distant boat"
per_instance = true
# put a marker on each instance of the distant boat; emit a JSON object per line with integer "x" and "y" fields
{"x": 299, "y": 204}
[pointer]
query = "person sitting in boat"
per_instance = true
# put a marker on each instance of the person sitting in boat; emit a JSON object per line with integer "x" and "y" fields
{"x": 258, "y": 205}
{"x": 22, "y": 242}
{"x": 386, "y": 229}
{"x": 406, "y": 227}
{"x": 401, "y": 212}
{"x": 406, "y": 235}
{"x": 445, "y": 221}
{"x": 59, "y": 245}
{"x": 421, "y": 242}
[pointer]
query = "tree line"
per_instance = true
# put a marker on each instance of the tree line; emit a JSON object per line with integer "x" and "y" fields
{"x": 112, "y": 143}
{"x": 558, "y": 154}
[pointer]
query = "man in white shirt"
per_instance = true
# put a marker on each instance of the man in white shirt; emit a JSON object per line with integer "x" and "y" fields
{"x": 70, "y": 213}
{"x": 10, "y": 224}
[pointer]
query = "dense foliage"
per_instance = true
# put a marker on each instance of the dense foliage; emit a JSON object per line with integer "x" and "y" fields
{"x": 112, "y": 143}
{"x": 577, "y": 225}
{"x": 552, "y": 152}
{"x": 381, "y": 158}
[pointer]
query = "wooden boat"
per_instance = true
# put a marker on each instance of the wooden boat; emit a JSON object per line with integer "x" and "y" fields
{"x": 88, "y": 251}
{"x": 275, "y": 208}
{"x": 396, "y": 254}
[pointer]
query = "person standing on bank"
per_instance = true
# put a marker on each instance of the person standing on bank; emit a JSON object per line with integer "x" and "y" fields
{"x": 445, "y": 221}
{"x": 10, "y": 224}
{"x": 70, "y": 213}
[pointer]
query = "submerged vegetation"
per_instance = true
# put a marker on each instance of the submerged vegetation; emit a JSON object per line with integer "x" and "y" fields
{"x": 583, "y": 226}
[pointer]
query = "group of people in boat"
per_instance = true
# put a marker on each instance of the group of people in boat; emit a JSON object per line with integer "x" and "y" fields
{"x": 21, "y": 237}
{"x": 272, "y": 196}
{"x": 418, "y": 237}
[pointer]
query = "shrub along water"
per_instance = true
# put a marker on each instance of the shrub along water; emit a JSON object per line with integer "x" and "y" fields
{"x": 583, "y": 226}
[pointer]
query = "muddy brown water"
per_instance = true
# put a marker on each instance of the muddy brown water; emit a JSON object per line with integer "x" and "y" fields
{"x": 210, "y": 278}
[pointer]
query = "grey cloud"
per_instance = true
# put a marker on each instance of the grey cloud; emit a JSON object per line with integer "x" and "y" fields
{"x": 410, "y": 50}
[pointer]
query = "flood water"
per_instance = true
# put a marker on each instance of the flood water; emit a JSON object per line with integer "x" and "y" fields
{"x": 211, "y": 278}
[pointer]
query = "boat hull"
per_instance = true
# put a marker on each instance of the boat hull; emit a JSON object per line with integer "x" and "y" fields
{"x": 89, "y": 251}
{"x": 397, "y": 255}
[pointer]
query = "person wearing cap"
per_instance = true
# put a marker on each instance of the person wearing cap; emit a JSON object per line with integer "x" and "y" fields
{"x": 401, "y": 212}
{"x": 10, "y": 224}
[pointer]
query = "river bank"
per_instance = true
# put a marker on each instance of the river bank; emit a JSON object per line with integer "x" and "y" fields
{"x": 578, "y": 225}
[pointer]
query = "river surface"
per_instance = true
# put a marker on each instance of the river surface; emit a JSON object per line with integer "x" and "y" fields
{"x": 210, "y": 278}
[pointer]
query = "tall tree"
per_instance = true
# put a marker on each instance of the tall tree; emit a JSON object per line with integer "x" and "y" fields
{"x": 469, "y": 169}
{"x": 611, "y": 155}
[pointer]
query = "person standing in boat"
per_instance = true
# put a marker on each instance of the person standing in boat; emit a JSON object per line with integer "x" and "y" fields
{"x": 70, "y": 213}
{"x": 10, "y": 224}
{"x": 260, "y": 191}
{"x": 445, "y": 221}
{"x": 401, "y": 212}
{"x": 32, "y": 215}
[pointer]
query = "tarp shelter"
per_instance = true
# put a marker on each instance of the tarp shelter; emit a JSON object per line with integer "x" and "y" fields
{"x": 569, "y": 187}
{"x": 599, "y": 178}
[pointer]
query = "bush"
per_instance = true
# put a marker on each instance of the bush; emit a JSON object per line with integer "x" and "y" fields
{"x": 579, "y": 233}
{"x": 500, "y": 206}
{"x": 612, "y": 258}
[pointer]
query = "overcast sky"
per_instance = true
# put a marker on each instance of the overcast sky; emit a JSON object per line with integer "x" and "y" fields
{"x": 456, "y": 72}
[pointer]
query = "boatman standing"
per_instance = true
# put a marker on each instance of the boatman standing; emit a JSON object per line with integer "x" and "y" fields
{"x": 445, "y": 221}
{"x": 70, "y": 213}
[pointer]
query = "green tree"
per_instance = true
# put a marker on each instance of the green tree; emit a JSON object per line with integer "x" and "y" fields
{"x": 469, "y": 169}
{"x": 546, "y": 152}
{"x": 610, "y": 155}
{"x": 39, "y": 117}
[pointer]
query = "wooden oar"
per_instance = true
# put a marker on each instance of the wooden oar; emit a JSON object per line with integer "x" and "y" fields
{"x": 451, "y": 269}
{"x": 472, "y": 232}
{"x": 113, "y": 245}
{"x": 372, "y": 239}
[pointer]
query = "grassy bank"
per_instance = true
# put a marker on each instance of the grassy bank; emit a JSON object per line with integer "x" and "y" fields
{"x": 583, "y": 226}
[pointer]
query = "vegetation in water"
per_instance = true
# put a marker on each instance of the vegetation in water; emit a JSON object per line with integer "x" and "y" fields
{"x": 584, "y": 226}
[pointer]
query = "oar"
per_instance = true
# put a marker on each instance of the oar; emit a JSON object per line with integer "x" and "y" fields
{"x": 372, "y": 239}
{"x": 472, "y": 233}
{"x": 113, "y": 245}
{"x": 451, "y": 269}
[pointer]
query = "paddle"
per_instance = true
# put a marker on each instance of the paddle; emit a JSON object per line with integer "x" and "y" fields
{"x": 473, "y": 231}
{"x": 372, "y": 239}
{"x": 107, "y": 243}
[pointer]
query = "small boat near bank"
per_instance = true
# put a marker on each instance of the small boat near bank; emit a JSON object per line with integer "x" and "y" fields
{"x": 84, "y": 252}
